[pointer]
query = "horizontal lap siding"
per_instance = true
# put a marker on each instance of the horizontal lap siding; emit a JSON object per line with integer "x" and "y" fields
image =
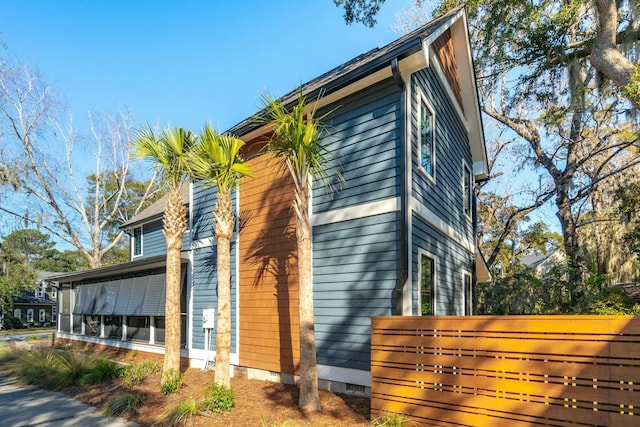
{"x": 153, "y": 242}
{"x": 365, "y": 148}
{"x": 444, "y": 198}
{"x": 204, "y": 200}
{"x": 268, "y": 270}
{"x": 452, "y": 261}
{"x": 355, "y": 268}
{"x": 204, "y": 294}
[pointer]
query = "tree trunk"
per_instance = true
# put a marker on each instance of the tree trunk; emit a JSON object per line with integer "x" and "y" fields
{"x": 175, "y": 225}
{"x": 223, "y": 225}
{"x": 571, "y": 247}
{"x": 309, "y": 400}
{"x": 605, "y": 56}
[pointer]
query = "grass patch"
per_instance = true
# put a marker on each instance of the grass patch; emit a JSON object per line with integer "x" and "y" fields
{"x": 126, "y": 403}
{"x": 183, "y": 411}
{"x": 390, "y": 420}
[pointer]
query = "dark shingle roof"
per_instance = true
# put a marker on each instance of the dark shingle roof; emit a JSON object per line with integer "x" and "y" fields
{"x": 30, "y": 297}
{"x": 156, "y": 209}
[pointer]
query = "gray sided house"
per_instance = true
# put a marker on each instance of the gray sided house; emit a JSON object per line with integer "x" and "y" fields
{"x": 395, "y": 238}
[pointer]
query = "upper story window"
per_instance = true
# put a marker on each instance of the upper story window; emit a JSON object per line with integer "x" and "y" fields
{"x": 54, "y": 293}
{"x": 427, "y": 138}
{"x": 137, "y": 241}
{"x": 467, "y": 190}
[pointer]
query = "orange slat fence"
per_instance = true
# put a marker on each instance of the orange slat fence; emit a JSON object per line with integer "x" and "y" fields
{"x": 507, "y": 370}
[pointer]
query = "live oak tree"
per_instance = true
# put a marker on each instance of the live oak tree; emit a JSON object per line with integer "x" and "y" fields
{"x": 574, "y": 127}
{"x": 44, "y": 169}
{"x": 216, "y": 161}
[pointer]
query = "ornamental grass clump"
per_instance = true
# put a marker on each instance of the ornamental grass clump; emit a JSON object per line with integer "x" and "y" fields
{"x": 183, "y": 411}
{"x": 124, "y": 404}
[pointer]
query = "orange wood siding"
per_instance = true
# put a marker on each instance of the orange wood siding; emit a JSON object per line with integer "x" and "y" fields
{"x": 268, "y": 276}
{"x": 507, "y": 371}
{"x": 447, "y": 59}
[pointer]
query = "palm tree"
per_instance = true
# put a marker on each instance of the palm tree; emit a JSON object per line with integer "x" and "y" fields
{"x": 296, "y": 142}
{"x": 168, "y": 153}
{"x": 216, "y": 160}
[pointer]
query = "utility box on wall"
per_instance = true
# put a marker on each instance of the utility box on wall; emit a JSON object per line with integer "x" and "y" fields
{"x": 209, "y": 318}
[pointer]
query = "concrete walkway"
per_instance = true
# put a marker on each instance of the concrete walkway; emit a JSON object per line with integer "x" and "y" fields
{"x": 22, "y": 406}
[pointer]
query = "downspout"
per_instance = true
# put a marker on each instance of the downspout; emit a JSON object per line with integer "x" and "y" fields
{"x": 397, "y": 303}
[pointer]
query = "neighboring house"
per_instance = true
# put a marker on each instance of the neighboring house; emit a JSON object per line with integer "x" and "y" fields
{"x": 396, "y": 239}
{"x": 38, "y": 307}
{"x": 542, "y": 263}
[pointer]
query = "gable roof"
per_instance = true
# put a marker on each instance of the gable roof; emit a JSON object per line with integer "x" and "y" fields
{"x": 407, "y": 54}
{"x": 155, "y": 210}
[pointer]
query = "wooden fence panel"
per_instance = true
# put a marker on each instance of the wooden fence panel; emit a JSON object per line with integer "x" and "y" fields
{"x": 507, "y": 371}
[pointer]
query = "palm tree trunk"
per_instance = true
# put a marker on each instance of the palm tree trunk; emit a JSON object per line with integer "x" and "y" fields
{"x": 175, "y": 225}
{"x": 309, "y": 400}
{"x": 223, "y": 224}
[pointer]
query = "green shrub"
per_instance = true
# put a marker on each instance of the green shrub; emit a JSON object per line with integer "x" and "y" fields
{"x": 390, "y": 420}
{"x": 135, "y": 373}
{"x": 171, "y": 381}
{"x": 183, "y": 411}
{"x": 218, "y": 398}
{"x": 126, "y": 403}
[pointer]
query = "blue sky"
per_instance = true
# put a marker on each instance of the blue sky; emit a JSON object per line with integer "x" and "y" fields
{"x": 183, "y": 62}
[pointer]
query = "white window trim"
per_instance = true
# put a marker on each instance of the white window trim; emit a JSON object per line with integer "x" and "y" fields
{"x": 421, "y": 253}
{"x": 465, "y": 274}
{"x": 466, "y": 168}
{"x": 133, "y": 246}
{"x": 422, "y": 100}
{"x": 42, "y": 315}
{"x": 30, "y": 315}
{"x": 17, "y": 313}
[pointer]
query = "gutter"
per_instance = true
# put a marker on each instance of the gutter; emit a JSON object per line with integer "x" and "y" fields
{"x": 397, "y": 301}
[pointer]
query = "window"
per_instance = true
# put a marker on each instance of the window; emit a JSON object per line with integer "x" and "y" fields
{"x": 137, "y": 241}
{"x": 17, "y": 313}
{"x": 468, "y": 294}
{"x": 39, "y": 292}
{"x": 54, "y": 293}
{"x": 42, "y": 315}
{"x": 427, "y": 285}
{"x": 30, "y": 315}
{"x": 427, "y": 140}
{"x": 467, "y": 190}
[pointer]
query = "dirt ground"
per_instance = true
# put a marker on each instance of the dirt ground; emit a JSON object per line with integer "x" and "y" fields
{"x": 257, "y": 403}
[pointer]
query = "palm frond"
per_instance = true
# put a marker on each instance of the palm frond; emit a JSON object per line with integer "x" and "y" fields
{"x": 216, "y": 159}
{"x": 168, "y": 151}
{"x": 298, "y": 141}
